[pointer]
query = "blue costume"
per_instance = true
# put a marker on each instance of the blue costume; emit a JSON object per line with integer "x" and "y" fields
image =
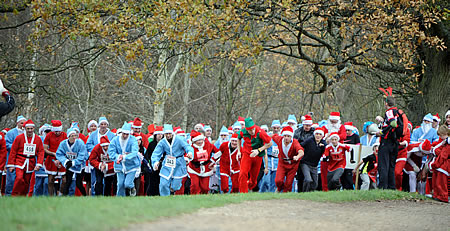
{"x": 268, "y": 180}
{"x": 173, "y": 167}
{"x": 41, "y": 180}
{"x": 126, "y": 169}
{"x": 75, "y": 153}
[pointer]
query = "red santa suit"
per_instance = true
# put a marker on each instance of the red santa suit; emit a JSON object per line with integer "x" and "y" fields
{"x": 414, "y": 161}
{"x": 201, "y": 167}
{"x": 52, "y": 140}
{"x": 98, "y": 156}
{"x": 26, "y": 153}
{"x": 287, "y": 166}
{"x": 229, "y": 166}
{"x": 328, "y": 129}
{"x": 401, "y": 161}
{"x": 3, "y": 153}
{"x": 441, "y": 168}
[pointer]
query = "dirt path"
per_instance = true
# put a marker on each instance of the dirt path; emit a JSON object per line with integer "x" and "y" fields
{"x": 307, "y": 215}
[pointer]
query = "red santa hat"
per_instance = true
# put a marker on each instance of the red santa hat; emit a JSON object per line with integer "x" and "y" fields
{"x": 241, "y": 119}
{"x": 137, "y": 123}
{"x": 319, "y": 130}
{"x": 90, "y": 123}
{"x": 6, "y": 130}
{"x": 202, "y": 126}
{"x": 437, "y": 118}
{"x": 158, "y": 130}
{"x": 315, "y": 125}
{"x": 181, "y": 132}
{"x": 308, "y": 120}
{"x": 56, "y": 126}
{"x": 447, "y": 114}
{"x": 104, "y": 141}
{"x": 234, "y": 136}
{"x": 195, "y": 136}
{"x": 114, "y": 130}
{"x": 335, "y": 134}
{"x": 230, "y": 130}
{"x": 334, "y": 116}
{"x": 28, "y": 123}
{"x": 151, "y": 128}
{"x": 176, "y": 129}
{"x": 287, "y": 131}
{"x": 349, "y": 126}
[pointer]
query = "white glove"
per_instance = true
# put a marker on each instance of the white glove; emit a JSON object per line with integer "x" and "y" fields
{"x": 2, "y": 88}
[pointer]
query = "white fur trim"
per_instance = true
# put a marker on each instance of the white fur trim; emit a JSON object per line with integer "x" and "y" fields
{"x": 136, "y": 126}
{"x": 307, "y": 122}
{"x": 331, "y": 136}
{"x": 447, "y": 114}
{"x": 334, "y": 117}
{"x": 200, "y": 137}
{"x": 57, "y": 129}
{"x": 319, "y": 131}
{"x": 288, "y": 133}
{"x": 158, "y": 132}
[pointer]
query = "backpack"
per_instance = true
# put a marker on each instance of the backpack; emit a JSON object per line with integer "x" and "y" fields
{"x": 402, "y": 124}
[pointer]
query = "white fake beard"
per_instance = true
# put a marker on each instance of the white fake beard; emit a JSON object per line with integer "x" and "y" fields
{"x": 333, "y": 127}
{"x": 21, "y": 131}
{"x": 426, "y": 127}
{"x": 223, "y": 140}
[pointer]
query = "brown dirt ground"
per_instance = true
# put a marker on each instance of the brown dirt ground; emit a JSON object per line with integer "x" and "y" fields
{"x": 309, "y": 215}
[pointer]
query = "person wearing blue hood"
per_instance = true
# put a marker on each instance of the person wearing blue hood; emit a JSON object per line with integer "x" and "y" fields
{"x": 123, "y": 150}
{"x": 368, "y": 139}
{"x": 72, "y": 153}
{"x": 425, "y": 132}
{"x": 173, "y": 166}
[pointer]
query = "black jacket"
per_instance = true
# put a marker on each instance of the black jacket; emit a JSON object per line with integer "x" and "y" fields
{"x": 301, "y": 135}
{"x": 313, "y": 151}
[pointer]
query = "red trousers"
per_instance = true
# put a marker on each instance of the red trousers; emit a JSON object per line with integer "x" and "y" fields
{"x": 199, "y": 184}
{"x": 249, "y": 172}
{"x": 285, "y": 171}
{"x": 398, "y": 172}
{"x": 323, "y": 175}
{"x": 440, "y": 188}
{"x": 181, "y": 190}
{"x": 22, "y": 183}
{"x": 32, "y": 183}
{"x": 224, "y": 180}
{"x": 224, "y": 183}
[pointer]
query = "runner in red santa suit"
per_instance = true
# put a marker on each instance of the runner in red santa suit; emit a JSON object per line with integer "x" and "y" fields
{"x": 335, "y": 154}
{"x": 290, "y": 153}
{"x": 440, "y": 165}
{"x": 333, "y": 125}
{"x": 229, "y": 165}
{"x": 256, "y": 141}
{"x": 52, "y": 166}
{"x": 103, "y": 167}
{"x": 26, "y": 156}
{"x": 414, "y": 161}
{"x": 201, "y": 167}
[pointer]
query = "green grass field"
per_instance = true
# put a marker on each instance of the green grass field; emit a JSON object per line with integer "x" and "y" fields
{"x": 102, "y": 213}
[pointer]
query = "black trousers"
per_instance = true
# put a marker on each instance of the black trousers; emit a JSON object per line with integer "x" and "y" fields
{"x": 347, "y": 179}
{"x": 78, "y": 182}
{"x": 151, "y": 183}
{"x": 387, "y": 155}
{"x": 104, "y": 184}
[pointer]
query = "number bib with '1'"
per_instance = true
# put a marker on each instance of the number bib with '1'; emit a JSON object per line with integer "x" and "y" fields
{"x": 29, "y": 149}
{"x": 171, "y": 161}
{"x": 71, "y": 155}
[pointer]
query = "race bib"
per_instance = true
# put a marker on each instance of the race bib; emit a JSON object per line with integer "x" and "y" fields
{"x": 337, "y": 156}
{"x": 71, "y": 156}
{"x": 104, "y": 158}
{"x": 275, "y": 151}
{"x": 29, "y": 149}
{"x": 171, "y": 161}
{"x": 202, "y": 155}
